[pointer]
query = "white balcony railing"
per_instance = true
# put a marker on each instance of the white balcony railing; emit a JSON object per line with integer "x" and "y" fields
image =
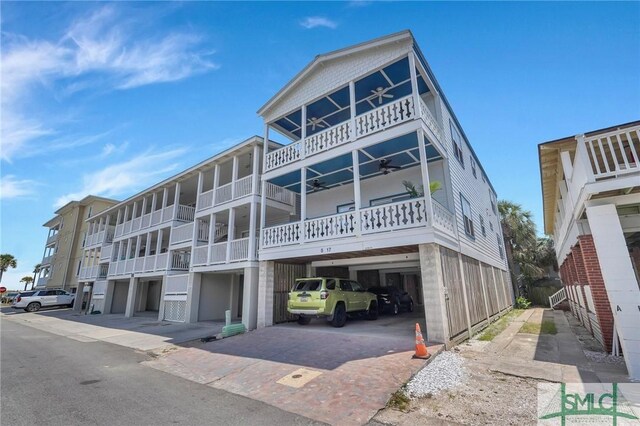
{"x": 47, "y": 260}
{"x": 205, "y": 200}
{"x": 182, "y": 233}
{"x": 384, "y": 218}
{"x": 52, "y": 239}
{"x": 370, "y": 122}
{"x": 162, "y": 260}
{"x": 223, "y": 194}
{"x": 105, "y": 252}
{"x": 443, "y": 218}
{"x": 218, "y": 253}
{"x": 431, "y": 122}
{"x": 278, "y": 193}
{"x": 186, "y": 213}
{"x": 150, "y": 263}
{"x": 103, "y": 271}
{"x": 239, "y": 249}
{"x": 203, "y": 231}
{"x": 180, "y": 260}
{"x": 200, "y": 255}
{"x": 615, "y": 153}
{"x": 243, "y": 187}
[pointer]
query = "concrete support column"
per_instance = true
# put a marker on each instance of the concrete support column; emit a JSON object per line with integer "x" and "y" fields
{"x": 619, "y": 280}
{"x": 77, "y": 303}
{"x": 163, "y": 289}
{"x": 250, "y": 298}
{"x": 131, "y": 297}
{"x": 108, "y": 297}
{"x": 265, "y": 293}
{"x": 433, "y": 293}
{"x": 193, "y": 296}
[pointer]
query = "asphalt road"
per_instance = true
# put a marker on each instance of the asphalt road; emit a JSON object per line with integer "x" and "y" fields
{"x": 52, "y": 380}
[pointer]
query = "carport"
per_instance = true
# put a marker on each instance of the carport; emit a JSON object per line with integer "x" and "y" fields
{"x": 119, "y": 299}
{"x": 148, "y": 296}
{"x": 220, "y": 292}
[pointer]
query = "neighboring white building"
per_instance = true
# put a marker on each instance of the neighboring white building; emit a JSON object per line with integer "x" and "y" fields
{"x": 330, "y": 200}
{"x": 591, "y": 194}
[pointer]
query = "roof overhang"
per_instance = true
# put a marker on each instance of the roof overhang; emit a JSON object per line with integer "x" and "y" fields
{"x": 322, "y": 59}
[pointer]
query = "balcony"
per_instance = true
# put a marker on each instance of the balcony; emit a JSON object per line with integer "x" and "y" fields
{"x": 368, "y": 123}
{"x": 184, "y": 214}
{"x": 224, "y": 252}
{"x": 140, "y": 264}
{"x": 52, "y": 239}
{"x": 42, "y": 281}
{"x": 182, "y": 234}
{"x": 47, "y": 260}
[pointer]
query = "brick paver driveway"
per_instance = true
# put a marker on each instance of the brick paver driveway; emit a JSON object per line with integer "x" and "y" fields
{"x": 338, "y": 376}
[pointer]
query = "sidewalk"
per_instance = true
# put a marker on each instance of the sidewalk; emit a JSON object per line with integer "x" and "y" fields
{"x": 142, "y": 333}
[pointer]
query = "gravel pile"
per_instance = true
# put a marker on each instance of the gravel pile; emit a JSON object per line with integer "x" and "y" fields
{"x": 445, "y": 372}
{"x": 603, "y": 357}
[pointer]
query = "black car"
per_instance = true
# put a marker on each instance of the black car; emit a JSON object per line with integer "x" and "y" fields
{"x": 392, "y": 299}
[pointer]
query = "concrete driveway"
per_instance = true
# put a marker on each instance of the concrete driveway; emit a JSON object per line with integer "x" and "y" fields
{"x": 337, "y": 376}
{"x": 142, "y": 332}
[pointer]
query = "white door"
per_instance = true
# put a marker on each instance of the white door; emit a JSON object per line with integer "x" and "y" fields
{"x": 48, "y": 297}
{"x": 63, "y": 298}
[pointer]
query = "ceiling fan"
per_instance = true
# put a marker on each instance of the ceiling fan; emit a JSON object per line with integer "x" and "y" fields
{"x": 313, "y": 122}
{"x": 386, "y": 166}
{"x": 318, "y": 185}
{"x": 381, "y": 92}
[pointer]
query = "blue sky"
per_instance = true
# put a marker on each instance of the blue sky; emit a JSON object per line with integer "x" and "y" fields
{"x": 109, "y": 98}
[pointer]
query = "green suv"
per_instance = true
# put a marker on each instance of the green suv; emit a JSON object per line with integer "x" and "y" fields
{"x": 333, "y": 298}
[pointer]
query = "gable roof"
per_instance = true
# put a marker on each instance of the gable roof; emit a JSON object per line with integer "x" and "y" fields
{"x": 319, "y": 60}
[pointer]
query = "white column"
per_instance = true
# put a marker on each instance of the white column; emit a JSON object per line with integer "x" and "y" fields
{"x": 252, "y": 232}
{"x": 144, "y": 207}
{"x": 193, "y": 296}
{"x": 255, "y": 177}
{"x": 433, "y": 293}
{"x": 414, "y": 84}
{"x": 147, "y": 248}
{"x": 352, "y": 107}
{"x": 158, "y": 247}
{"x": 131, "y": 297}
{"x": 303, "y": 131}
{"x": 357, "y": 200}
{"x": 250, "y": 298}
{"x": 108, "y": 297}
{"x": 212, "y": 235}
{"x": 263, "y": 182}
{"x": 424, "y": 166}
{"x": 265, "y": 294}
{"x": 199, "y": 190}
{"x": 135, "y": 209}
{"x": 119, "y": 217}
{"x": 135, "y": 254}
{"x": 231, "y": 231}
{"x": 154, "y": 201}
{"x": 216, "y": 182}
{"x": 165, "y": 196}
{"x": 176, "y": 201}
{"x": 303, "y": 201}
{"x": 77, "y": 302}
{"x": 126, "y": 213}
{"x": 234, "y": 176}
{"x": 163, "y": 289}
{"x": 619, "y": 281}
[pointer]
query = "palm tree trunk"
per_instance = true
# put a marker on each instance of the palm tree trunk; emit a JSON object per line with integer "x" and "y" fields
{"x": 33, "y": 283}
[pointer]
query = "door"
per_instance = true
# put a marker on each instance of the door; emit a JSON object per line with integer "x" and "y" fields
{"x": 48, "y": 297}
{"x": 63, "y": 298}
{"x": 349, "y": 296}
{"x": 359, "y": 296}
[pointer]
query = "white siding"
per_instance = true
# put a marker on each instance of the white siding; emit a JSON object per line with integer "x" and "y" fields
{"x": 477, "y": 193}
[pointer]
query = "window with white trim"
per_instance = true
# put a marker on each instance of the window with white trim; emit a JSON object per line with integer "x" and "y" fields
{"x": 457, "y": 143}
{"x": 473, "y": 166}
{"x": 482, "y": 228}
{"x": 493, "y": 202}
{"x": 467, "y": 217}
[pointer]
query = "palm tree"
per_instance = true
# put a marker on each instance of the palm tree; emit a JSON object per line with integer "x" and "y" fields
{"x": 418, "y": 191}
{"x": 7, "y": 261}
{"x": 26, "y": 280}
{"x": 36, "y": 271}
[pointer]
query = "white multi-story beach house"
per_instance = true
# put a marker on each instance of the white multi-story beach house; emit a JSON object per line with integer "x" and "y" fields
{"x": 364, "y": 172}
{"x": 591, "y": 194}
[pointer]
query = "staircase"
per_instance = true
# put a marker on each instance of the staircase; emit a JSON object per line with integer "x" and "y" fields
{"x": 221, "y": 234}
{"x": 557, "y": 298}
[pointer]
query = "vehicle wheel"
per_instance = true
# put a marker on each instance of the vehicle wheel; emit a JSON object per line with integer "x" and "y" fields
{"x": 339, "y": 316}
{"x": 396, "y": 309}
{"x": 372, "y": 313}
{"x": 33, "y": 307}
{"x": 302, "y": 320}
{"x": 70, "y": 305}
{"x": 410, "y": 308}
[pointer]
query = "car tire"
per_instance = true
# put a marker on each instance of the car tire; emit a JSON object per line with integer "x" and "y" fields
{"x": 396, "y": 309}
{"x": 32, "y": 307}
{"x": 70, "y": 305}
{"x": 372, "y": 313}
{"x": 339, "y": 316}
{"x": 302, "y": 320}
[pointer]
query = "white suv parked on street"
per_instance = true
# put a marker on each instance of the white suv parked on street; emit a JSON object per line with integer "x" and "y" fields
{"x": 32, "y": 301}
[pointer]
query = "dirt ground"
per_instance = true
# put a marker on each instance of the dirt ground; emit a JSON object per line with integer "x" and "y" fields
{"x": 486, "y": 398}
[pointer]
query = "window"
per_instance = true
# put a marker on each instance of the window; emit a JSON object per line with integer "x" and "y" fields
{"x": 491, "y": 225}
{"x": 308, "y": 285}
{"x": 389, "y": 199}
{"x": 89, "y": 212}
{"x": 343, "y": 208}
{"x": 467, "y": 217}
{"x": 331, "y": 284}
{"x": 500, "y": 248}
{"x": 457, "y": 143}
{"x": 356, "y": 287}
{"x": 345, "y": 286}
{"x": 473, "y": 166}
{"x": 493, "y": 202}
{"x": 482, "y": 228}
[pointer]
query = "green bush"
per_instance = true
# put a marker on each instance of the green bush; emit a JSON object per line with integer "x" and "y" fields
{"x": 522, "y": 303}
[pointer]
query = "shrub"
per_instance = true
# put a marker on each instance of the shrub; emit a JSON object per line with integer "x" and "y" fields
{"x": 522, "y": 303}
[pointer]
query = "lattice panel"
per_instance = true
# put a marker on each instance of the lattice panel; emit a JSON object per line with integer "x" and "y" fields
{"x": 175, "y": 310}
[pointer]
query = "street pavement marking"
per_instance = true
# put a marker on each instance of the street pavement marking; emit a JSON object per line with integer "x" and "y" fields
{"x": 299, "y": 378}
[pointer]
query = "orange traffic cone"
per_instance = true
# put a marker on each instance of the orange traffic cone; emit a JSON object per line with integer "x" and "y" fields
{"x": 421, "y": 348}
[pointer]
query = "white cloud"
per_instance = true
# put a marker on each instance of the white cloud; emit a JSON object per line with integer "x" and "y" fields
{"x": 102, "y": 50}
{"x": 12, "y": 187}
{"x": 123, "y": 178}
{"x": 318, "y": 21}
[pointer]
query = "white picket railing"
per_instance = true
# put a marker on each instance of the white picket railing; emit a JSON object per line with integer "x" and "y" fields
{"x": 243, "y": 187}
{"x": 443, "y": 218}
{"x": 385, "y": 116}
{"x": 203, "y": 231}
{"x": 615, "y": 153}
{"x": 280, "y": 235}
{"x": 162, "y": 261}
{"x": 200, "y": 255}
{"x": 283, "y": 156}
{"x": 103, "y": 270}
{"x": 431, "y": 122}
{"x": 182, "y": 233}
{"x": 218, "y": 253}
{"x": 557, "y": 297}
{"x": 239, "y": 249}
{"x": 394, "y": 216}
{"x": 223, "y": 194}
{"x": 334, "y": 226}
{"x": 186, "y": 213}
{"x": 328, "y": 138}
{"x": 205, "y": 200}
{"x": 278, "y": 193}
{"x": 180, "y": 260}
